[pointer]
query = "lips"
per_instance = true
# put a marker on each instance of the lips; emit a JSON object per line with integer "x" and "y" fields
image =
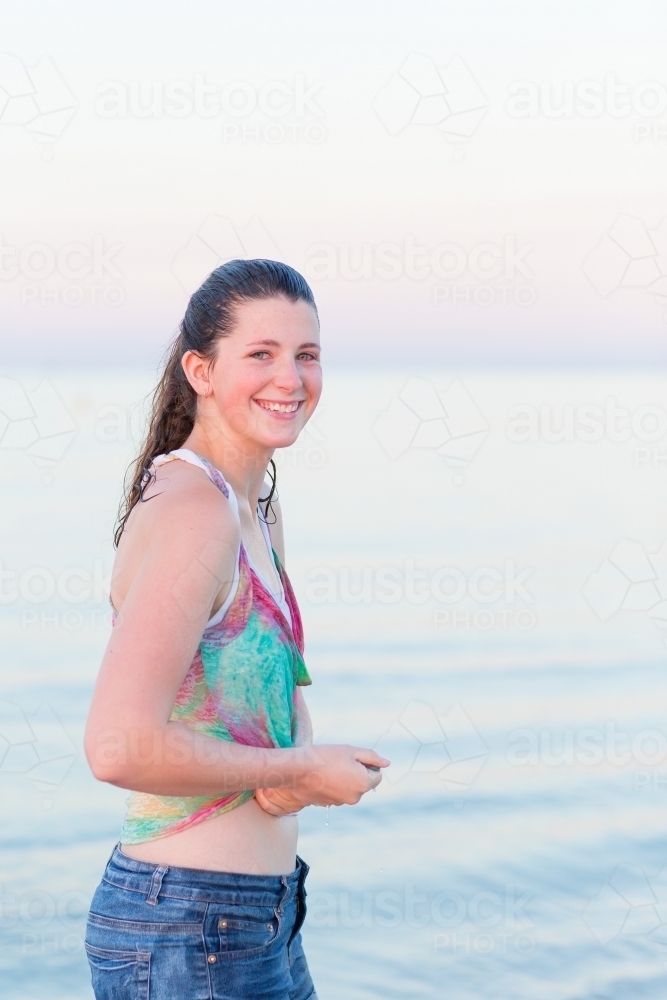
{"x": 287, "y": 408}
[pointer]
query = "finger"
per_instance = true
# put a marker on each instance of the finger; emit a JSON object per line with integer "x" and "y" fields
{"x": 271, "y": 809}
{"x": 263, "y": 799}
{"x": 370, "y": 757}
{"x": 288, "y": 802}
{"x": 264, "y": 794}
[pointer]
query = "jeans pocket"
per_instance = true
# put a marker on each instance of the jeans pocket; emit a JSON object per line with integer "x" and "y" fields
{"x": 119, "y": 975}
{"x": 248, "y": 935}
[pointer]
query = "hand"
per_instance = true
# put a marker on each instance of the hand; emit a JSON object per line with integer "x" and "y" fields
{"x": 334, "y": 774}
{"x": 280, "y": 801}
{"x": 288, "y": 801}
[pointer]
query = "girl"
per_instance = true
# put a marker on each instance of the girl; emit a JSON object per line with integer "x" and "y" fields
{"x": 198, "y": 707}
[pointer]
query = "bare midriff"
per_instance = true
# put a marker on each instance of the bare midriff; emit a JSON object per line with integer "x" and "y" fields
{"x": 246, "y": 840}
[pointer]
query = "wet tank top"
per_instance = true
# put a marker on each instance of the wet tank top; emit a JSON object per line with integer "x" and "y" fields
{"x": 241, "y": 685}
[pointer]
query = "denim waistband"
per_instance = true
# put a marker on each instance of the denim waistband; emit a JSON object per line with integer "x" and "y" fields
{"x": 199, "y": 883}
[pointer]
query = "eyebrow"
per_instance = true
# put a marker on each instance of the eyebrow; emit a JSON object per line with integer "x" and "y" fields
{"x": 274, "y": 343}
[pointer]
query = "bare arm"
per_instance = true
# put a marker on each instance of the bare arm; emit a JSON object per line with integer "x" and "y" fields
{"x": 189, "y": 551}
{"x": 286, "y": 800}
{"x": 190, "y": 543}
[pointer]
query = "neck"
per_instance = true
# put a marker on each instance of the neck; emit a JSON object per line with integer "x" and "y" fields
{"x": 242, "y": 463}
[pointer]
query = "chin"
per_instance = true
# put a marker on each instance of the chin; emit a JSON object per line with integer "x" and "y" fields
{"x": 280, "y": 441}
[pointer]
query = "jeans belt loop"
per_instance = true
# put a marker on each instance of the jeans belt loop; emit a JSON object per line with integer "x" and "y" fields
{"x": 116, "y": 847}
{"x": 303, "y": 871}
{"x": 279, "y": 908}
{"x": 303, "y": 867}
{"x": 156, "y": 884}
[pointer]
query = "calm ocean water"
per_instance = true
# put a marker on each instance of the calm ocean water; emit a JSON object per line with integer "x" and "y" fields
{"x": 481, "y": 567}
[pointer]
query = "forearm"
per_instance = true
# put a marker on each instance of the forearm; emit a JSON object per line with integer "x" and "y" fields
{"x": 178, "y": 760}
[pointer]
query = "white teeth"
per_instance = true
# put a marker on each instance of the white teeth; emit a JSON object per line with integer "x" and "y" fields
{"x": 280, "y": 407}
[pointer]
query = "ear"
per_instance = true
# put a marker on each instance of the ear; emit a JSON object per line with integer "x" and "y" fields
{"x": 196, "y": 370}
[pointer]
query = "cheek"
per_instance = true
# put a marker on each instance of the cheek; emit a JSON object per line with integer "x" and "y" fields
{"x": 312, "y": 381}
{"x": 234, "y": 389}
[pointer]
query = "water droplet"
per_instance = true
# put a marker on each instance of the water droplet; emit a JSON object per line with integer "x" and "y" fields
{"x": 326, "y": 821}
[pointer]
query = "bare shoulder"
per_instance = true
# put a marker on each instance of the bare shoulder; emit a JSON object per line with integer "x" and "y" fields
{"x": 182, "y": 499}
{"x": 183, "y": 516}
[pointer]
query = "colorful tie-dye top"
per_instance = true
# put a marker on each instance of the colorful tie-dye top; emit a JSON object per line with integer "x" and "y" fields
{"x": 241, "y": 685}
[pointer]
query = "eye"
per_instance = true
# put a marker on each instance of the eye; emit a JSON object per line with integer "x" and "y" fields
{"x": 308, "y": 356}
{"x": 260, "y": 354}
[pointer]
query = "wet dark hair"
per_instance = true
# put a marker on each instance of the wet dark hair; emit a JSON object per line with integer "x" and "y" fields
{"x": 210, "y": 314}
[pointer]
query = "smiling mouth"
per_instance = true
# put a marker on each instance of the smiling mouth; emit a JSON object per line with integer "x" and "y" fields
{"x": 276, "y": 407}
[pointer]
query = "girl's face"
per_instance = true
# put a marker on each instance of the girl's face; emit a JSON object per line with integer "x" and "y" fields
{"x": 266, "y": 378}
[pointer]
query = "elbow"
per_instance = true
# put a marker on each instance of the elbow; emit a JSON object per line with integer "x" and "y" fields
{"x": 110, "y": 775}
{"x": 107, "y": 756}
{"x": 123, "y": 756}
{"x": 104, "y": 769}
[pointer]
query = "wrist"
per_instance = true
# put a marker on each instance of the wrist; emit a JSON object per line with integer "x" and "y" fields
{"x": 280, "y": 768}
{"x": 300, "y": 767}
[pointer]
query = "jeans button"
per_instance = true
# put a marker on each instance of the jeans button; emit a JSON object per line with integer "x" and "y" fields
{"x": 212, "y": 959}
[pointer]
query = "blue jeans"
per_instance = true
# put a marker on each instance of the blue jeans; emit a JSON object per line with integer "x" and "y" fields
{"x": 157, "y": 932}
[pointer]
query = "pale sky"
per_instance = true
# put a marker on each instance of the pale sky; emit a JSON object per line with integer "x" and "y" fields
{"x": 478, "y": 182}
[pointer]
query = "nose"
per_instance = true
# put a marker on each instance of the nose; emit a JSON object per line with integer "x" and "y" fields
{"x": 287, "y": 376}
